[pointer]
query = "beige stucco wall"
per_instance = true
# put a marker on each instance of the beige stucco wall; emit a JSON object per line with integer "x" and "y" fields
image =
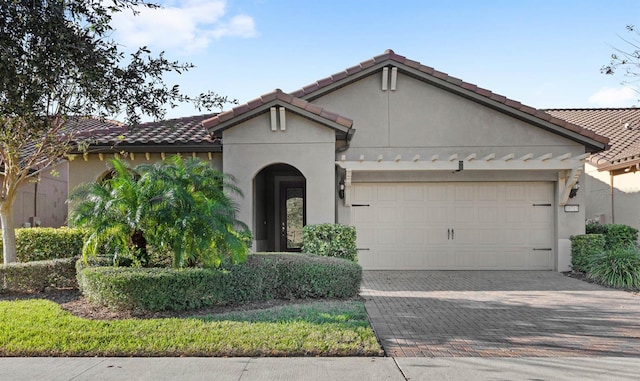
{"x": 306, "y": 145}
{"x": 49, "y": 205}
{"x": 626, "y": 197}
{"x": 419, "y": 118}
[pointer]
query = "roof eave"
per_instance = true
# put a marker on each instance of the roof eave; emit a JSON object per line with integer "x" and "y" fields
{"x": 152, "y": 148}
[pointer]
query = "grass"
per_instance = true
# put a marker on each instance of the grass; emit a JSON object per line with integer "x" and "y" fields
{"x": 42, "y": 328}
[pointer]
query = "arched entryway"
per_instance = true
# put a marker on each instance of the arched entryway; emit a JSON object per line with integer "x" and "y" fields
{"x": 279, "y": 208}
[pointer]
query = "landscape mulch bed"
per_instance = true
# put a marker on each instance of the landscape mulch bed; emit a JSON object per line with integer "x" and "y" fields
{"x": 72, "y": 301}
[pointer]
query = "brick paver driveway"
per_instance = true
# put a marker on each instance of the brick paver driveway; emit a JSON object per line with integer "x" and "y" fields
{"x": 499, "y": 314}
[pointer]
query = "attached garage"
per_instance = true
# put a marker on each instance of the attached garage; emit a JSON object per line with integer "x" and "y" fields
{"x": 454, "y": 226}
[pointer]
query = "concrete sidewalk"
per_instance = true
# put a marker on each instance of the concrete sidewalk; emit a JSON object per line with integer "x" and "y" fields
{"x": 308, "y": 368}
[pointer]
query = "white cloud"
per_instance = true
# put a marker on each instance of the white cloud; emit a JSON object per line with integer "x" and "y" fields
{"x": 185, "y": 25}
{"x": 614, "y": 97}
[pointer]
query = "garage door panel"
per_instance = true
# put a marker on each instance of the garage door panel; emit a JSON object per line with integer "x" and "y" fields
{"x": 436, "y": 192}
{"x": 387, "y": 214}
{"x": 409, "y": 225}
{"x": 414, "y": 214}
{"x": 413, "y": 237}
{"x": 465, "y": 214}
{"x": 414, "y": 193}
{"x": 515, "y": 192}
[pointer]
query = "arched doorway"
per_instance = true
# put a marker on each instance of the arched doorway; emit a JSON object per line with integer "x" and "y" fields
{"x": 279, "y": 208}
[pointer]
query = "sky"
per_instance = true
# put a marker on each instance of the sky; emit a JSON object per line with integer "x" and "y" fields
{"x": 545, "y": 54}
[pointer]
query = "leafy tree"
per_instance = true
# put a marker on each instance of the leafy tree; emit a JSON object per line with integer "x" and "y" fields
{"x": 177, "y": 205}
{"x": 626, "y": 60}
{"x": 59, "y": 65}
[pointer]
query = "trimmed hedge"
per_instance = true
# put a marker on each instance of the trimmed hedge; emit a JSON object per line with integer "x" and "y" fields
{"x": 616, "y": 235}
{"x": 39, "y": 275}
{"x": 330, "y": 240}
{"x": 38, "y": 244}
{"x": 583, "y": 248}
{"x": 262, "y": 277}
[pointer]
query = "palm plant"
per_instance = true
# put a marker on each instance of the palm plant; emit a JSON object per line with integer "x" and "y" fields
{"x": 113, "y": 211}
{"x": 178, "y": 205}
{"x": 191, "y": 212}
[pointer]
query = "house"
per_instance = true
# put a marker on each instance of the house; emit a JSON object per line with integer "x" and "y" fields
{"x": 434, "y": 172}
{"x": 612, "y": 184}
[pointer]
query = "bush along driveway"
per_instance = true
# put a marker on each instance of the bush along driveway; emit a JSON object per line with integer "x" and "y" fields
{"x": 499, "y": 314}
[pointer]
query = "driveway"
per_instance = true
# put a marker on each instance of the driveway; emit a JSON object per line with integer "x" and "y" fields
{"x": 499, "y": 314}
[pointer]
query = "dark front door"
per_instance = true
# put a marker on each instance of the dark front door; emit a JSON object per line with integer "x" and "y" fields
{"x": 292, "y": 215}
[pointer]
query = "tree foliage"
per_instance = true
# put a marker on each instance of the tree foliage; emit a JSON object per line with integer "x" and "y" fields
{"x": 180, "y": 205}
{"x": 626, "y": 60}
{"x": 58, "y": 65}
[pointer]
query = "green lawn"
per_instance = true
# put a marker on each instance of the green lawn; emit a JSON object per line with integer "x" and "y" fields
{"x": 42, "y": 328}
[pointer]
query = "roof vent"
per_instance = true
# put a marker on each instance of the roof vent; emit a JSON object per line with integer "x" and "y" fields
{"x": 628, "y": 126}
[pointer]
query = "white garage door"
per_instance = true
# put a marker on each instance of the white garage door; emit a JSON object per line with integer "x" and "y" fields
{"x": 454, "y": 226}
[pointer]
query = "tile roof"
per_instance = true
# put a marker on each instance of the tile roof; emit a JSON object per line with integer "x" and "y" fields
{"x": 620, "y": 125}
{"x": 311, "y": 91}
{"x": 276, "y": 95}
{"x": 174, "y": 132}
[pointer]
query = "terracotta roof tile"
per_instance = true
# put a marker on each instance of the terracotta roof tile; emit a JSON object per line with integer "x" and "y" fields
{"x": 496, "y": 97}
{"x": 484, "y": 92}
{"x": 313, "y": 108}
{"x": 352, "y": 70}
{"x": 620, "y": 125}
{"x": 469, "y": 86}
{"x": 366, "y": 64}
{"x": 301, "y": 103}
{"x": 266, "y": 98}
{"x": 426, "y": 69}
{"x": 254, "y": 103}
{"x": 188, "y": 130}
{"x": 454, "y": 80}
{"x": 413, "y": 64}
{"x": 339, "y": 76}
{"x": 439, "y": 74}
{"x": 325, "y": 81}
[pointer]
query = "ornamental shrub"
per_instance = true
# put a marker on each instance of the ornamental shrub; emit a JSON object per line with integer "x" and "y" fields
{"x": 618, "y": 267}
{"x": 38, "y": 244}
{"x": 39, "y": 275}
{"x": 330, "y": 240}
{"x": 616, "y": 235}
{"x": 583, "y": 248}
{"x": 262, "y": 277}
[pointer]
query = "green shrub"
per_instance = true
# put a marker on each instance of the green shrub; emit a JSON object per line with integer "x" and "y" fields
{"x": 619, "y": 267}
{"x": 262, "y": 277}
{"x": 39, "y": 275}
{"x": 330, "y": 240}
{"x": 38, "y": 244}
{"x": 616, "y": 235}
{"x": 583, "y": 248}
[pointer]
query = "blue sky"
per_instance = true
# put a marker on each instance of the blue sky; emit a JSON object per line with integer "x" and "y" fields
{"x": 546, "y": 54}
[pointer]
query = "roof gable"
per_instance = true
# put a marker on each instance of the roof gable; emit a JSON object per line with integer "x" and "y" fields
{"x": 592, "y": 141}
{"x": 263, "y": 104}
{"x": 620, "y": 125}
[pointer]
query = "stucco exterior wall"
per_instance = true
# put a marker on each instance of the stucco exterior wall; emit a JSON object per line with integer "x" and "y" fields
{"x": 43, "y": 197}
{"x": 626, "y": 197}
{"x": 306, "y": 145}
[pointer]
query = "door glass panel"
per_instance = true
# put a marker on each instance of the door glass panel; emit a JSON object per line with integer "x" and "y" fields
{"x": 295, "y": 217}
